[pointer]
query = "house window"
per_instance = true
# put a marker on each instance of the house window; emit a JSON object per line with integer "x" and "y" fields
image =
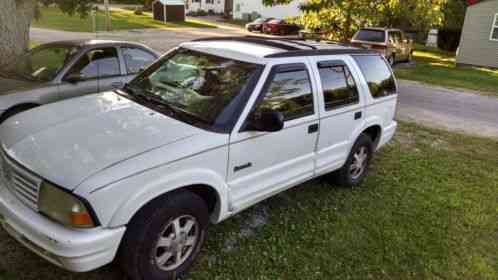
{"x": 494, "y": 29}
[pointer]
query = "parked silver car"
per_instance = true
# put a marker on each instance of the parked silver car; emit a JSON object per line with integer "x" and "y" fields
{"x": 392, "y": 43}
{"x": 67, "y": 69}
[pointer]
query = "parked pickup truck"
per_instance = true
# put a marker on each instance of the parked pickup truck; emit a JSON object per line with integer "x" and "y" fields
{"x": 211, "y": 128}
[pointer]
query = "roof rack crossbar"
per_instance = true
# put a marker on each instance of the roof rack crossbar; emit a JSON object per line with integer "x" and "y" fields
{"x": 252, "y": 39}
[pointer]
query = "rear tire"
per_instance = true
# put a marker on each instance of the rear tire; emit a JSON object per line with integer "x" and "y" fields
{"x": 356, "y": 167}
{"x": 165, "y": 237}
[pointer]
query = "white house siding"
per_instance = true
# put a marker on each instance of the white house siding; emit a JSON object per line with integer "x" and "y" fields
{"x": 476, "y": 48}
{"x": 217, "y": 6}
{"x": 241, "y": 7}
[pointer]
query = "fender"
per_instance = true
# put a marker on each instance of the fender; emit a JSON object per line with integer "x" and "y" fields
{"x": 165, "y": 184}
{"x": 366, "y": 123}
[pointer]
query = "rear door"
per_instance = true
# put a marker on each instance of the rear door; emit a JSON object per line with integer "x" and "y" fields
{"x": 135, "y": 59}
{"x": 341, "y": 108}
{"x": 261, "y": 163}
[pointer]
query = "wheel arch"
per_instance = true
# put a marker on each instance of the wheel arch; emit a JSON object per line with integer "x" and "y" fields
{"x": 375, "y": 133}
{"x": 372, "y": 127}
{"x": 18, "y": 108}
{"x": 213, "y": 191}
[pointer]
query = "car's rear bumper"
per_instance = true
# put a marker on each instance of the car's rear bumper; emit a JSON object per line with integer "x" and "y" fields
{"x": 73, "y": 249}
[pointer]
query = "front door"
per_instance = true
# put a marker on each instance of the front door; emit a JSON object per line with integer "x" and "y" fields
{"x": 98, "y": 70}
{"x": 262, "y": 164}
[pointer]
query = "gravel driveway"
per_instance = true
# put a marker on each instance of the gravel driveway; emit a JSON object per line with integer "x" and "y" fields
{"x": 428, "y": 105}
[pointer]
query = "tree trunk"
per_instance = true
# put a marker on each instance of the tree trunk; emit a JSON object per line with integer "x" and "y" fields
{"x": 15, "y": 20}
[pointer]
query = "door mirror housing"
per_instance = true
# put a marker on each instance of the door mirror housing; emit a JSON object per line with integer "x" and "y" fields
{"x": 267, "y": 121}
{"x": 73, "y": 78}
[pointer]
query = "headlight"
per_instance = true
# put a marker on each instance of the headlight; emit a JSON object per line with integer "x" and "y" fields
{"x": 63, "y": 207}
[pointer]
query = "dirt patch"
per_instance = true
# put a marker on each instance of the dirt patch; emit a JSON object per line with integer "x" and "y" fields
{"x": 255, "y": 218}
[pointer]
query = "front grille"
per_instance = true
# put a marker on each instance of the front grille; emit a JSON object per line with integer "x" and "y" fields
{"x": 22, "y": 183}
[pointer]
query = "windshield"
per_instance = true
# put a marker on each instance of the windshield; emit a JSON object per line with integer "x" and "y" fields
{"x": 44, "y": 63}
{"x": 371, "y": 35}
{"x": 202, "y": 86}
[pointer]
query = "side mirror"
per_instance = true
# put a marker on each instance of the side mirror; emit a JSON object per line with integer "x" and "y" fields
{"x": 73, "y": 78}
{"x": 267, "y": 121}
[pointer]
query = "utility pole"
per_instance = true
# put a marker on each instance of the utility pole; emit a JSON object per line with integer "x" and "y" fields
{"x": 107, "y": 15}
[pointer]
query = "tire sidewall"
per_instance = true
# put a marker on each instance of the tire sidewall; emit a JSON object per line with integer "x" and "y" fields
{"x": 362, "y": 141}
{"x": 147, "y": 268}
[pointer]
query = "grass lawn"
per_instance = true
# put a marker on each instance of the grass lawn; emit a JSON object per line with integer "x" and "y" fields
{"x": 439, "y": 68}
{"x": 428, "y": 210}
{"x": 53, "y": 18}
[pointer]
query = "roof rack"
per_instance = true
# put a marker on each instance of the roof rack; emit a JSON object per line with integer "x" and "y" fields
{"x": 293, "y": 40}
{"x": 289, "y": 50}
{"x": 252, "y": 39}
{"x": 318, "y": 52}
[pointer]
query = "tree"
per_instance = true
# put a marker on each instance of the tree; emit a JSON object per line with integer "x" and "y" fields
{"x": 342, "y": 18}
{"x": 15, "y": 20}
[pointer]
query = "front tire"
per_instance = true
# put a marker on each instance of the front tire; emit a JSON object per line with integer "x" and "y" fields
{"x": 165, "y": 237}
{"x": 356, "y": 167}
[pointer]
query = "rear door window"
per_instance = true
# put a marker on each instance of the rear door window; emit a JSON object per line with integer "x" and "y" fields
{"x": 136, "y": 59}
{"x": 339, "y": 88}
{"x": 371, "y": 35}
{"x": 379, "y": 77}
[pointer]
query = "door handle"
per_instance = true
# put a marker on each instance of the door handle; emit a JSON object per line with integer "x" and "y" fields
{"x": 313, "y": 128}
{"x": 117, "y": 85}
{"x": 357, "y": 115}
{"x": 241, "y": 167}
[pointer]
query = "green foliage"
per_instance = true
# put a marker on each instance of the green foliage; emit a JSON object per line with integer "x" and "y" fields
{"x": 71, "y": 7}
{"x": 139, "y": 11}
{"x": 454, "y": 14}
{"x": 342, "y": 18}
{"x": 449, "y": 39}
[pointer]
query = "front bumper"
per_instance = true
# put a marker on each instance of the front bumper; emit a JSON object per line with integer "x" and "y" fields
{"x": 77, "y": 250}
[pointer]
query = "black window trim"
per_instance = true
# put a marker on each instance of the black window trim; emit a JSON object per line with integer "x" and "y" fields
{"x": 84, "y": 52}
{"x": 350, "y": 101}
{"x": 276, "y": 69}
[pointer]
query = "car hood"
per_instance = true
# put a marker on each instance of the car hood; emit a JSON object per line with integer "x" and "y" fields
{"x": 9, "y": 85}
{"x": 69, "y": 141}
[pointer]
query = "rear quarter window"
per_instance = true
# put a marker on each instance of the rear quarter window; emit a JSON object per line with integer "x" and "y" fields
{"x": 378, "y": 75}
{"x": 370, "y": 35}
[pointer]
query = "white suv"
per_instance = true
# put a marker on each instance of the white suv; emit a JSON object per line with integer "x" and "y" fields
{"x": 213, "y": 127}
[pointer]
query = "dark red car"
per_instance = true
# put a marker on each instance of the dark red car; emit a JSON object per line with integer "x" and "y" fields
{"x": 280, "y": 27}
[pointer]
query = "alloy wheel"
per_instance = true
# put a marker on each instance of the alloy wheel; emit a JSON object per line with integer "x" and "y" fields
{"x": 359, "y": 163}
{"x": 176, "y": 242}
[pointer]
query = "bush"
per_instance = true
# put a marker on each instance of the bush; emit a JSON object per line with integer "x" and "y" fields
{"x": 199, "y": 13}
{"x": 449, "y": 39}
{"x": 139, "y": 11}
